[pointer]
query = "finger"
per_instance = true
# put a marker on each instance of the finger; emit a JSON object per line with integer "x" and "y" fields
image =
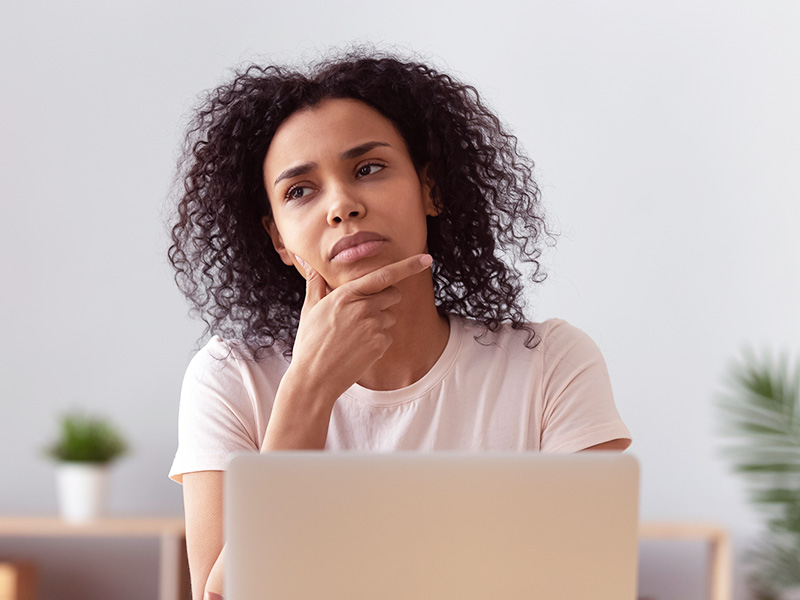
{"x": 388, "y": 297}
{"x": 382, "y": 278}
{"x": 388, "y": 319}
{"x": 316, "y": 286}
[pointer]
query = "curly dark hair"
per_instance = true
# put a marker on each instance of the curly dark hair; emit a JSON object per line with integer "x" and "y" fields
{"x": 490, "y": 222}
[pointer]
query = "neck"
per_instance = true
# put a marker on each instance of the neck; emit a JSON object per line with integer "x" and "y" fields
{"x": 418, "y": 338}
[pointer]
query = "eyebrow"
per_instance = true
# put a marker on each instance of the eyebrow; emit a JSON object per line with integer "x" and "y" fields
{"x": 346, "y": 155}
{"x": 359, "y": 150}
{"x": 295, "y": 171}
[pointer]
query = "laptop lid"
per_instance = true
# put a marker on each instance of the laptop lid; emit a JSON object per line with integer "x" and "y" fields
{"x": 431, "y": 526}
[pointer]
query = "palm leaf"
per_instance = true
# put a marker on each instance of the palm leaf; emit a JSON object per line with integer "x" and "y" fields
{"x": 760, "y": 416}
{"x": 779, "y": 558}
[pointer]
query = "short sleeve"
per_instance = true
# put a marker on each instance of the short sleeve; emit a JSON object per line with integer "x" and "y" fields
{"x": 216, "y": 413}
{"x": 579, "y": 409}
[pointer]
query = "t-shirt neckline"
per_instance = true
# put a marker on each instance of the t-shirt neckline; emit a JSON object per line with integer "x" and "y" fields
{"x": 422, "y": 386}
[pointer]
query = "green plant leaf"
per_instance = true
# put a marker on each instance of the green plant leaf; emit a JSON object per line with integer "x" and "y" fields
{"x": 83, "y": 438}
{"x": 759, "y": 415}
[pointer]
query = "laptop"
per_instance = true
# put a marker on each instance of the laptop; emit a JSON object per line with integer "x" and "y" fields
{"x": 305, "y": 525}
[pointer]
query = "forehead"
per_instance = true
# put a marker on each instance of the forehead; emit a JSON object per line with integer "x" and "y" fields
{"x": 327, "y": 129}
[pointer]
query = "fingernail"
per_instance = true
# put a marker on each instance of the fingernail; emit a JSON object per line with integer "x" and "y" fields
{"x": 426, "y": 260}
{"x": 303, "y": 263}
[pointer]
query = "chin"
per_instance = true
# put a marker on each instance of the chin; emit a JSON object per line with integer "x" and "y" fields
{"x": 351, "y": 271}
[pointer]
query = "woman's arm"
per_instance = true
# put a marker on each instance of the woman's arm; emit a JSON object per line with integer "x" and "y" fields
{"x": 299, "y": 420}
{"x": 202, "y": 500}
{"x": 618, "y": 444}
{"x": 290, "y": 427}
{"x": 341, "y": 334}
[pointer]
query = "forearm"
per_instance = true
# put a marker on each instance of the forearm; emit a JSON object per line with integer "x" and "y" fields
{"x": 299, "y": 421}
{"x": 215, "y": 582}
{"x": 300, "y": 415}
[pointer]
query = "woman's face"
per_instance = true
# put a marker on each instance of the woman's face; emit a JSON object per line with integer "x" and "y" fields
{"x": 344, "y": 194}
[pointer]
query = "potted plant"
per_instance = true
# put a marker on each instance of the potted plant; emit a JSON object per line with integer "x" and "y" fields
{"x": 85, "y": 448}
{"x": 761, "y": 417}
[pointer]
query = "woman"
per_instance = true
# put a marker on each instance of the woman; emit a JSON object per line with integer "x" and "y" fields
{"x": 351, "y": 235}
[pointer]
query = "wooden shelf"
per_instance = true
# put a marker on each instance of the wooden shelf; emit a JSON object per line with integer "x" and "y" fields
{"x": 173, "y": 583}
{"x": 720, "y": 570}
{"x": 174, "y": 575}
{"x": 49, "y": 526}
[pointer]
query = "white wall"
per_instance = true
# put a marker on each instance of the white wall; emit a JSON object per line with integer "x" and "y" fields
{"x": 666, "y": 142}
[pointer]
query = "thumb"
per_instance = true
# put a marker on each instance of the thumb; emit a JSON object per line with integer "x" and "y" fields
{"x": 316, "y": 286}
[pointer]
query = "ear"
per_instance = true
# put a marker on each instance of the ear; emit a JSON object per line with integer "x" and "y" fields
{"x": 433, "y": 207}
{"x": 277, "y": 240}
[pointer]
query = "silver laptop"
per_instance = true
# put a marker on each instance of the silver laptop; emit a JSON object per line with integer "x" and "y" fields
{"x": 431, "y": 526}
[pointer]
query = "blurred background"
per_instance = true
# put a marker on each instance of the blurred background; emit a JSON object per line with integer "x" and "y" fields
{"x": 666, "y": 138}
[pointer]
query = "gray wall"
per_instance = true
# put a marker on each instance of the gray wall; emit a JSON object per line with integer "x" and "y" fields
{"x": 666, "y": 142}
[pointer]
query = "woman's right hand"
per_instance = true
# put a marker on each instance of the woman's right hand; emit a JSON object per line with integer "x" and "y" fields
{"x": 343, "y": 332}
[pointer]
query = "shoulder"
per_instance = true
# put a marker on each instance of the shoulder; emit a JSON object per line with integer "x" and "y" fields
{"x": 549, "y": 350}
{"x": 562, "y": 340}
{"x": 227, "y": 361}
{"x": 214, "y": 360}
{"x": 551, "y": 337}
{"x": 215, "y": 353}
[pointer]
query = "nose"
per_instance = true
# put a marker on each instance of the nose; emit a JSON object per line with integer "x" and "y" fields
{"x": 344, "y": 206}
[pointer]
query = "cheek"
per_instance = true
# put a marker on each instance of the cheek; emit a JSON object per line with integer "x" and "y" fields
{"x": 301, "y": 241}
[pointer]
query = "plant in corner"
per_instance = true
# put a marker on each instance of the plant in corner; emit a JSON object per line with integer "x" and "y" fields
{"x": 761, "y": 417}
{"x": 85, "y": 447}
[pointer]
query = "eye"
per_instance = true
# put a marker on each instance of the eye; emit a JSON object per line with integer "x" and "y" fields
{"x": 297, "y": 192}
{"x": 369, "y": 169}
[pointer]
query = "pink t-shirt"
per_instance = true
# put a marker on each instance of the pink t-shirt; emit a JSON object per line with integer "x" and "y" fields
{"x": 486, "y": 394}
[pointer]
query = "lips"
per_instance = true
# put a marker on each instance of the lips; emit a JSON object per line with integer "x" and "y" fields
{"x": 350, "y": 241}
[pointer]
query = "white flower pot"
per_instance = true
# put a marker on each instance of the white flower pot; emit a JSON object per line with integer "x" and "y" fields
{"x": 81, "y": 490}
